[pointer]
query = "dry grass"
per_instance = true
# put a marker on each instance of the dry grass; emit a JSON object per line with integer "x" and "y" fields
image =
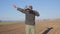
{"x": 42, "y": 27}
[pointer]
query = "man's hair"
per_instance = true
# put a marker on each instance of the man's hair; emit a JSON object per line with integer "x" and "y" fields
{"x": 27, "y": 7}
{"x": 31, "y": 7}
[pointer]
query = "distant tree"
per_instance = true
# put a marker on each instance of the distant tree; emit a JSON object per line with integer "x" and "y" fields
{"x": 44, "y": 19}
{"x": 0, "y": 20}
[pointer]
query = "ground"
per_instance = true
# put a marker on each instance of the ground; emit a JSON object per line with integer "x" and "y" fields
{"x": 42, "y": 27}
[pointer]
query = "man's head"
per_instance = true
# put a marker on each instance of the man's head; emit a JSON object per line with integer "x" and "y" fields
{"x": 29, "y": 7}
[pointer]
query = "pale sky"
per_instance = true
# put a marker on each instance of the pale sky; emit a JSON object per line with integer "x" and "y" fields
{"x": 48, "y": 9}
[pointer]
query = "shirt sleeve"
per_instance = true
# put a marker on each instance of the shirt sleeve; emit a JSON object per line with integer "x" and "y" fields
{"x": 21, "y": 10}
{"x": 36, "y": 13}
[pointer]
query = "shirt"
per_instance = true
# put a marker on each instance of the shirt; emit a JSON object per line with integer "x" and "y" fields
{"x": 29, "y": 15}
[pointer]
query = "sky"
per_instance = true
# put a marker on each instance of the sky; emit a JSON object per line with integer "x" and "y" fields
{"x": 48, "y": 9}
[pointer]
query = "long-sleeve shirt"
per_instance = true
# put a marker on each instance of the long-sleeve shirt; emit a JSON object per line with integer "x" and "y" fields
{"x": 29, "y": 16}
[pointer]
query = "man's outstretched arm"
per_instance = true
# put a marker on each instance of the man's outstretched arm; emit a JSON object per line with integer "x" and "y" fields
{"x": 19, "y": 9}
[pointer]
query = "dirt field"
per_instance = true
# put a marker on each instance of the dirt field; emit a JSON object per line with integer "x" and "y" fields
{"x": 42, "y": 27}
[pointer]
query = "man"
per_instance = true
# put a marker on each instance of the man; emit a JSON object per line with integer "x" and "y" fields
{"x": 30, "y": 18}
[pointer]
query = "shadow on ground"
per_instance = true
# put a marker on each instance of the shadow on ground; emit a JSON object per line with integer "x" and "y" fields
{"x": 46, "y": 31}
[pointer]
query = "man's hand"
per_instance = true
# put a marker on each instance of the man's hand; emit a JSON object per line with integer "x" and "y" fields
{"x": 14, "y": 6}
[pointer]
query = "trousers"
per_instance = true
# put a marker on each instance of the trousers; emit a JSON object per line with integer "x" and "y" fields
{"x": 30, "y": 28}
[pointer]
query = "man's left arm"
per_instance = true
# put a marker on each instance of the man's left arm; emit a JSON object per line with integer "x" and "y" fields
{"x": 36, "y": 13}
